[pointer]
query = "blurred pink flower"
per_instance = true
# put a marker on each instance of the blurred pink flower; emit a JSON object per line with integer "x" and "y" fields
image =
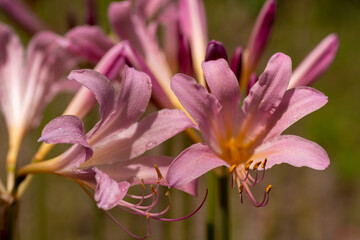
{"x": 246, "y": 137}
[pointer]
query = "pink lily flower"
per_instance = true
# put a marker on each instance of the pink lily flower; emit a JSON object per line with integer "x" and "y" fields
{"x": 108, "y": 159}
{"x": 28, "y": 82}
{"x": 248, "y": 137}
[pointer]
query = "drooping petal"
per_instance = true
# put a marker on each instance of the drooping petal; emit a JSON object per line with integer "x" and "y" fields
{"x": 224, "y": 86}
{"x": 293, "y": 150}
{"x": 202, "y": 106}
{"x": 193, "y": 162}
{"x": 296, "y": 104}
{"x": 264, "y": 97}
{"x": 316, "y": 62}
{"x": 143, "y": 168}
{"x": 88, "y": 41}
{"x": 131, "y": 142}
{"x": 260, "y": 34}
{"x": 100, "y": 86}
{"x": 108, "y": 192}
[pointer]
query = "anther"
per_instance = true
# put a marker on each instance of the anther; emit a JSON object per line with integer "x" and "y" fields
{"x": 241, "y": 189}
{"x": 268, "y": 188}
{"x": 232, "y": 168}
{"x": 160, "y": 176}
{"x": 148, "y": 216}
{"x": 247, "y": 165}
{"x": 153, "y": 189}
{"x": 264, "y": 164}
{"x": 142, "y": 184}
{"x": 167, "y": 193}
{"x": 256, "y": 165}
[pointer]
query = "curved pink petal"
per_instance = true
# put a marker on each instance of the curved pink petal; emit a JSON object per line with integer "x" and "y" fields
{"x": 316, "y": 62}
{"x": 202, "y": 106}
{"x": 89, "y": 42}
{"x": 296, "y": 104}
{"x": 264, "y": 97}
{"x": 193, "y": 162}
{"x": 108, "y": 192}
{"x": 293, "y": 150}
{"x": 224, "y": 86}
{"x": 68, "y": 129}
{"x": 143, "y": 168}
{"x": 100, "y": 86}
{"x": 129, "y": 143}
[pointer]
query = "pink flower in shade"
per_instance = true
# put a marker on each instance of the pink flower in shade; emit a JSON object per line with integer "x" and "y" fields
{"x": 245, "y": 137}
{"x": 108, "y": 159}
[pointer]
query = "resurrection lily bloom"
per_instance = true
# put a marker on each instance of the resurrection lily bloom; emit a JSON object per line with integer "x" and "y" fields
{"x": 108, "y": 158}
{"x": 248, "y": 137}
{"x": 28, "y": 82}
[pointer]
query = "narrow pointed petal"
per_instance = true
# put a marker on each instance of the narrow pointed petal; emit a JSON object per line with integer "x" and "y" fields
{"x": 202, "y": 106}
{"x": 215, "y": 50}
{"x": 293, "y": 150}
{"x": 260, "y": 34}
{"x": 108, "y": 192}
{"x": 132, "y": 142}
{"x": 316, "y": 62}
{"x": 100, "y": 86}
{"x": 264, "y": 97}
{"x": 89, "y": 42}
{"x": 193, "y": 25}
{"x": 192, "y": 163}
{"x": 22, "y": 15}
{"x": 296, "y": 104}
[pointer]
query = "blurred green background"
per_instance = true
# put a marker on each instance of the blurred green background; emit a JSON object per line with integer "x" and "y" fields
{"x": 304, "y": 204}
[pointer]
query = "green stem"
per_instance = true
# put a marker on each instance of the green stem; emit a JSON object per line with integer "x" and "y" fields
{"x": 211, "y": 206}
{"x": 224, "y": 206}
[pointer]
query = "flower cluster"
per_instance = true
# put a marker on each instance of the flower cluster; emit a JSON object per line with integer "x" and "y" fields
{"x": 234, "y": 117}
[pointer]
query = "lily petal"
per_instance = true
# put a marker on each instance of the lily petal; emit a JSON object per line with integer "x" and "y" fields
{"x": 202, "y": 106}
{"x": 193, "y": 162}
{"x": 88, "y": 41}
{"x": 316, "y": 62}
{"x": 264, "y": 97}
{"x": 108, "y": 192}
{"x": 129, "y": 143}
{"x": 100, "y": 86}
{"x": 293, "y": 150}
{"x": 296, "y": 104}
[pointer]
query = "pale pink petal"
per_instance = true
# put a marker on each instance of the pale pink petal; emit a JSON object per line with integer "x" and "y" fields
{"x": 100, "y": 86}
{"x": 293, "y": 150}
{"x": 260, "y": 34}
{"x": 129, "y": 143}
{"x": 192, "y": 163}
{"x": 264, "y": 97}
{"x": 130, "y": 103}
{"x": 296, "y": 104}
{"x": 316, "y": 62}
{"x": 202, "y": 106}
{"x": 108, "y": 192}
{"x": 64, "y": 129}
{"x": 143, "y": 168}
{"x": 224, "y": 86}
{"x": 88, "y": 41}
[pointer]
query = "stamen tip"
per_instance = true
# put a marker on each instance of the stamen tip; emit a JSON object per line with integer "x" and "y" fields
{"x": 160, "y": 176}
{"x": 232, "y": 168}
{"x": 268, "y": 188}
